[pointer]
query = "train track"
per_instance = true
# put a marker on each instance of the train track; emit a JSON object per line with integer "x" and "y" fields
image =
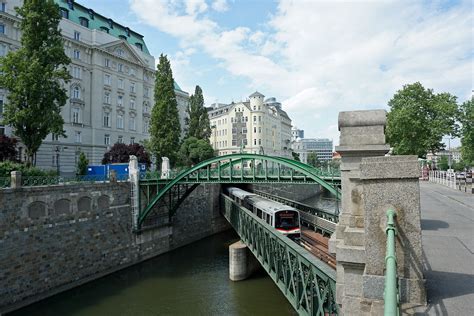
{"x": 317, "y": 244}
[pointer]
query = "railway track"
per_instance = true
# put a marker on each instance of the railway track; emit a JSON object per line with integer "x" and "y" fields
{"x": 317, "y": 244}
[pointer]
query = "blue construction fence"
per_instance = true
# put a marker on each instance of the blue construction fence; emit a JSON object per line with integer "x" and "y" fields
{"x": 102, "y": 172}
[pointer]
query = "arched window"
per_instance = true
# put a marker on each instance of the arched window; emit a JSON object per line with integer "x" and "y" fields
{"x": 104, "y": 29}
{"x": 139, "y": 46}
{"x": 76, "y": 92}
{"x": 84, "y": 22}
{"x": 123, "y": 37}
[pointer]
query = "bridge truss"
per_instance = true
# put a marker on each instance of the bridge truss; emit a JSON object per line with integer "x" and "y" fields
{"x": 157, "y": 193}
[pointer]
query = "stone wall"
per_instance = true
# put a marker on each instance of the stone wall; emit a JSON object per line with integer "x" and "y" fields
{"x": 295, "y": 192}
{"x": 58, "y": 237}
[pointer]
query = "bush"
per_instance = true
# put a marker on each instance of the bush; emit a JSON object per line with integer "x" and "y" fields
{"x": 7, "y": 167}
{"x": 82, "y": 165}
{"x": 120, "y": 153}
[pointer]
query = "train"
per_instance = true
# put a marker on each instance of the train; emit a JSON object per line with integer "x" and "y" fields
{"x": 283, "y": 218}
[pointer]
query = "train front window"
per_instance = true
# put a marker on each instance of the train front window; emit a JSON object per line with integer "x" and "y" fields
{"x": 286, "y": 220}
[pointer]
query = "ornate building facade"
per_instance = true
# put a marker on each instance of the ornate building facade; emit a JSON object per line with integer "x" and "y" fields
{"x": 112, "y": 86}
{"x": 253, "y": 126}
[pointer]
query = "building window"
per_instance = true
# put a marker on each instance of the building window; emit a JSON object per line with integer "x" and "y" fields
{"x": 255, "y": 118}
{"x": 3, "y": 50}
{"x": 146, "y": 126}
{"x": 106, "y": 139}
{"x": 2, "y": 28}
{"x": 106, "y": 119}
{"x": 120, "y": 84}
{"x": 77, "y": 35}
{"x": 104, "y": 29}
{"x": 77, "y": 54}
{"x": 139, "y": 46}
{"x": 132, "y": 87}
{"x": 84, "y": 22}
{"x": 131, "y": 124}
{"x": 120, "y": 100}
{"x": 146, "y": 91}
{"x": 76, "y": 115}
{"x": 70, "y": 4}
{"x": 120, "y": 121}
{"x": 120, "y": 67}
{"x": 107, "y": 98}
{"x": 120, "y": 139}
{"x": 64, "y": 13}
{"x": 76, "y": 72}
{"x": 259, "y": 141}
{"x": 107, "y": 62}
{"x": 123, "y": 37}
{"x": 78, "y": 137}
{"x": 111, "y": 23}
{"x": 146, "y": 108}
{"x": 255, "y": 142}
{"x": 76, "y": 93}
{"x": 259, "y": 118}
{"x": 132, "y": 140}
{"x": 132, "y": 104}
{"x": 107, "y": 79}
{"x": 132, "y": 71}
{"x": 127, "y": 30}
{"x": 1, "y": 104}
{"x": 91, "y": 14}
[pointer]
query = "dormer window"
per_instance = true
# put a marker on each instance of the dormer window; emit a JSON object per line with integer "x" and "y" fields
{"x": 139, "y": 46}
{"x": 127, "y": 31}
{"x": 84, "y": 22}
{"x": 104, "y": 29}
{"x": 91, "y": 14}
{"x": 70, "y": 4}
{"x": 64, "y": 13}
{"x": 111, "y": 23}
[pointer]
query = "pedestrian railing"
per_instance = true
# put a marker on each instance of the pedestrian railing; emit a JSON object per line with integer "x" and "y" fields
{"x": 391, "y": 291}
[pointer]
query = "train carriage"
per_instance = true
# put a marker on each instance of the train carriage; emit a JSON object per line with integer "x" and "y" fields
{"x": 283, "y": 218}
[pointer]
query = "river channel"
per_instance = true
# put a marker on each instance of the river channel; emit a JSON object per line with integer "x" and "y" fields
{"x": 192, "y": 280}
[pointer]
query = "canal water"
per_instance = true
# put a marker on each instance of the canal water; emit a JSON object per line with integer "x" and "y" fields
{"x": 192, "y": 280}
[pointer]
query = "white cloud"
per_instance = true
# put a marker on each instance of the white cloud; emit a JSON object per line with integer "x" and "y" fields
{"x": 331, "y": 55}
{"x": 220, "y": 5}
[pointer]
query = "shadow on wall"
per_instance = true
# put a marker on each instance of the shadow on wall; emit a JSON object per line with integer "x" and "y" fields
{"x": 433, "y": 224}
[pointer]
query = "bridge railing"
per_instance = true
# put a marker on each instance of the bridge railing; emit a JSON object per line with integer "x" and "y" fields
{"x": 391, "y": 291}
{"x": 308, "y": 283}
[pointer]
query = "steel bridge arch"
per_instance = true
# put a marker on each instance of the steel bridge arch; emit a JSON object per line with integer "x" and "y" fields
{"x": 303, "y": 168}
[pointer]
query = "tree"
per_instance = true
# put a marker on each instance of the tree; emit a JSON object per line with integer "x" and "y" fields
{"x": 120, "y": 153}
{"x": 418, "y": 120}
{"x": 82, "y": 165}
{"x": 34, "y": 76}
{"x": 466, "y": 117}
{"x": 313, "y": 159}
{"x": 443, "y": 163}
{"x": 198, "y": 120}
{"x": 164, "y": 126}
{"x": 193, "y": 151}
{"x": 7, "y": 148}
{"x": 295, "y": 156}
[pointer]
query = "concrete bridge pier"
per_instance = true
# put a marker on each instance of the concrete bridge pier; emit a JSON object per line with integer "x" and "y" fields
{"x": 242, "y": 262}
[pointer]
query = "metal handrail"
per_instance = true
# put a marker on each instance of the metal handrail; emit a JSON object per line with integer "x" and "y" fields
{"x": 391, "y": 293}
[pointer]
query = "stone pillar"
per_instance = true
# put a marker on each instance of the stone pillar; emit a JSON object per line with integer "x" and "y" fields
{"x": 392, "y": 182}
{"x": 113, "y": 176}
{"x": 15, "y": 179}
{"x": 242, "y": 262}
{"x": 134, "y": 178}
{"x": 362, "y": 135}
{"x": 165, "y": 168}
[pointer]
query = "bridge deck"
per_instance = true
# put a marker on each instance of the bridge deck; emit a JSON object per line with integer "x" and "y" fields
{"x": 447, "y": 220}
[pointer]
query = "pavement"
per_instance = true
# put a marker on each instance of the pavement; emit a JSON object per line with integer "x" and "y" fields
{"x": 447, "y": 222}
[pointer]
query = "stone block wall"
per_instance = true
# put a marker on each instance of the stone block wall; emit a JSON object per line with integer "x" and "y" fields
{"x": 58, "y": 237}
{"x": 295, "y": 192}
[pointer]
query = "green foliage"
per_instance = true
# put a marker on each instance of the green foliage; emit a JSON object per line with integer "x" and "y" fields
{"x": 418, "y": 120}
{"x": 443, "y": 163}
{"x": 34, "y": 75}
{"x": 198, "y": 121}
{"x": 82, "y": 165}
{"x": 460, "y": 166}
{"x": 193, "y": 151}
{"x": 313, "y": 160}
{"x": 466, "y": 117}
{"x": 295, "y": 156}
{"x": 164, "y": 126}
{"x": 7, "y": 167}
{"x": 7, "y": 148}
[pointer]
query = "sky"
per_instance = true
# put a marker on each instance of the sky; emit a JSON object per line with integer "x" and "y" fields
{"x": 316, "y": 57}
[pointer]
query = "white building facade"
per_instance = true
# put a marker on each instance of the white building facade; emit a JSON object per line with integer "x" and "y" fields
{"x": 111, "y": 91}
{"x": 254, "y": 126}
{"x": 323, "y": 148}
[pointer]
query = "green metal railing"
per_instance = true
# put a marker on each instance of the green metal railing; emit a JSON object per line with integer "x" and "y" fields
{"x": 308, "y": 283}
{"x": 391, "y": 291}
